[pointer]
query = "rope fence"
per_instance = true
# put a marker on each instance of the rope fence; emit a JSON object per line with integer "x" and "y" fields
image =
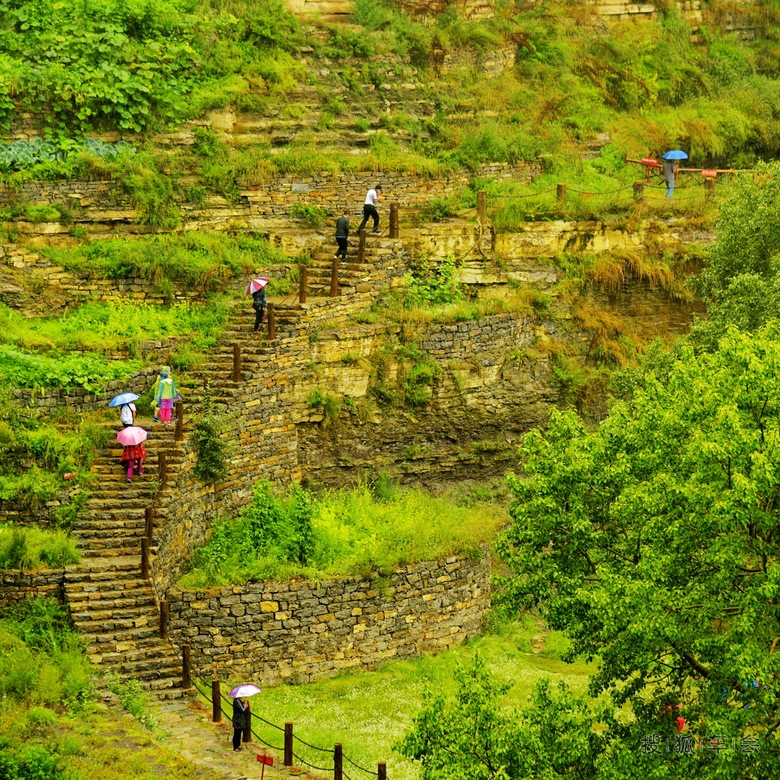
{"x": 222, "y": 707}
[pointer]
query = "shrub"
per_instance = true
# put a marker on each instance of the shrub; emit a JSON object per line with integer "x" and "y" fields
{"x": 211, "y": 450}
{"x": 434, "y": 285}
{"x": 33, "y": 548}
{"x": 313, "y": 216}
{"x": 359, "y": 531}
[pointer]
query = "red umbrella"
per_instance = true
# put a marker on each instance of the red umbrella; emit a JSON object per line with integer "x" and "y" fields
{"x": 131, "y": 435}
{"x": 256, "y": 284}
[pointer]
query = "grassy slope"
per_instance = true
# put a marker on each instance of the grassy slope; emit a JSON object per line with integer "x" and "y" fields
{"x": 368, "y": 712}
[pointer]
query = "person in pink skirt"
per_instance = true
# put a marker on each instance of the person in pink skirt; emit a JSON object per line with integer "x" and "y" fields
{"x": 133, "y": 455}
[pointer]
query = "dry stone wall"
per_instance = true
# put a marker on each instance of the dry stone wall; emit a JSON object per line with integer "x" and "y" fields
{"x": 102, "y": 208}
{"x": 16, "y": 585}
{"x": 297, "y": 632}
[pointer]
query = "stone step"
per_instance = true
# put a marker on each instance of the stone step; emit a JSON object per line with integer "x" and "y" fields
{"x": 102, "y": 549}
{"x": 82, "y": 593}
{"x": 111, "y": 637}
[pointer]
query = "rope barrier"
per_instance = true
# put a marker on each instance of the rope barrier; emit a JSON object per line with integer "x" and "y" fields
{"x": 313, "y": 747}
{"x": 201, "y": 685}
{"x": 361, "y": 768}
{"x": 313, "y": 766}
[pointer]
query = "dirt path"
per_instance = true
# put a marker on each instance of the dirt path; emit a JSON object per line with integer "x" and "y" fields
{"x": 207, "y": 744}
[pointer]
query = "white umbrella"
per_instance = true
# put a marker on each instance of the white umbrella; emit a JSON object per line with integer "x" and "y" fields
{"x": 242, "y": 691}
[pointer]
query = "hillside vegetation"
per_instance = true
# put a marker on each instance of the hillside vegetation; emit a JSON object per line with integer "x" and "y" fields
{"x": 406, "y": 94}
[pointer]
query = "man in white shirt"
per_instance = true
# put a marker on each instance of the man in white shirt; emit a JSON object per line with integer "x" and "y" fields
{"x": 127, "y": 415}
{"x": 369, "y": 209}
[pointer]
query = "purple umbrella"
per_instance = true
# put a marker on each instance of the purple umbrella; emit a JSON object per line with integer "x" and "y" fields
{"x": 242, "y": 691}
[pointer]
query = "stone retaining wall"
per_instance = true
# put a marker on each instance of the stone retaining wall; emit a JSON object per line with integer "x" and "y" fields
{"x": 262, "y": 435}
{"x": 18, "y": 585}
{"x": 103, "y": 207}
{"x": 297, "y": 632}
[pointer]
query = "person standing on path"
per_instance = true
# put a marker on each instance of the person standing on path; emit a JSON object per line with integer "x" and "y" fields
{"x": 127, "y": 414}
{"x": 259, "y": 304}
{"x": 342, "y": 234}
{"x": 369, "y": 209}
{"x": 670, "y": 176}
{"x": 164, "y": 398}
{"x": 133, "y": 454}
{"x": 239, "y": 721}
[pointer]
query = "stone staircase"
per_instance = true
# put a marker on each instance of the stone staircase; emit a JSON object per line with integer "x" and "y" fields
{"x": 109, "y": 601}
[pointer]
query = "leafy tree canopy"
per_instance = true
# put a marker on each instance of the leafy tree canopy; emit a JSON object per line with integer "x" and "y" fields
{"x": 652, "y": 542}
{"x": 741, "y": 285}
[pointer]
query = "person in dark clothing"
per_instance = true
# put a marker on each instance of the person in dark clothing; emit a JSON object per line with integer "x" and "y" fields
{"x": 670, "y": 176}
{"x": 259, "y": 304}
{"x": 369, "y": 209}
{"x": 342, "y": 234}
{"x": 239, "y": 721}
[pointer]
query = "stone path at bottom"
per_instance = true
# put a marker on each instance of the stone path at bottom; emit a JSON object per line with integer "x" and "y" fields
{"x": 207, "y": 744}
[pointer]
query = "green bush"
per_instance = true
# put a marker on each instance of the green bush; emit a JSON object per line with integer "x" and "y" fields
{"x": 197, "y": 261}
{"x": 210, "y": 449}
{"x": 313, "y": 216}
{"x": 361, "y": 531}
{"x": 34, "y": 548}
{"x": 434, "y": 285}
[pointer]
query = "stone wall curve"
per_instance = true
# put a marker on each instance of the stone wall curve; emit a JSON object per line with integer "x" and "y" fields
{"x": 301, "y": 631}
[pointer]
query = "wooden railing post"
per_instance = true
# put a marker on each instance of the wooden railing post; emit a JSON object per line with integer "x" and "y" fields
{"x": 639, "y": 190}
{"x": 236, "y": 362}
{"x": 145, "y": 558}
{"x": 149, "y": 524}
{"x": 338, "y": 762}
{"x": 162, "y": 467}
{"x": 560, "y": 192}
{"x": 394, "y": 220}
{"x": 186, "y": 678}
{"x": 303, "y": 282}
{"x": 216, "y": 702}
{"x": 164, "y": 617}
{"x": 334, "y": 278}
{"x": 481, "y": 205}
{"x": 362, "y": 247}
{"x": 179, "y": 431}
{"x": 709, "y": 188}
{"x": 381, "y": 771}
{"x": 271, "y": 321}
{"x": 248, "y": 728}
{"x": 288, "y": 744}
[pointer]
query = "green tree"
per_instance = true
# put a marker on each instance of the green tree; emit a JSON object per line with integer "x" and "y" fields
{"x": 741, "y": 284}
{"x": 652, "y": 542}
{"x": 473, "y": 736}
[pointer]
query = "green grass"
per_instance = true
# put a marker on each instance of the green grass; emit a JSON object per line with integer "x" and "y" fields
{"x": 195, "y": 262}
{"x": 339, "y": 533}
{"x": 107, "y": 327}
{"x": 31, "y": 548}
{"x": 55, "y": 724}
{"x": 368, "y": 712}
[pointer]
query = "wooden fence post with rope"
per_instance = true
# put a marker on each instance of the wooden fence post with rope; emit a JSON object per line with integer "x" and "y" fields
{"x": 482, "y": 205}
{"x": 394, "y": 220}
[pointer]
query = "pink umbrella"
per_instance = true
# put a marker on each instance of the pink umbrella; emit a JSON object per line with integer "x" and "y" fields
{"x": 132, "y": 435}
{"x": 256, "y": 284}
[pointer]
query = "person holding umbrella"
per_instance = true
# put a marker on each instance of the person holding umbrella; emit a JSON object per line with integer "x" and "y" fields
{"x": 134, "y": 452}
{"x": 240, "y": 710}
{"x": 670, "y": 169}
{"x": 256, "y": 288}
{"x": 127, "y": 410}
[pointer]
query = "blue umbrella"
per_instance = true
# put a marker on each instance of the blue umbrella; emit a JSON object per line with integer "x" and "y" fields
{"x": 124, "y": 398}
{"x": 675, "y": 154}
